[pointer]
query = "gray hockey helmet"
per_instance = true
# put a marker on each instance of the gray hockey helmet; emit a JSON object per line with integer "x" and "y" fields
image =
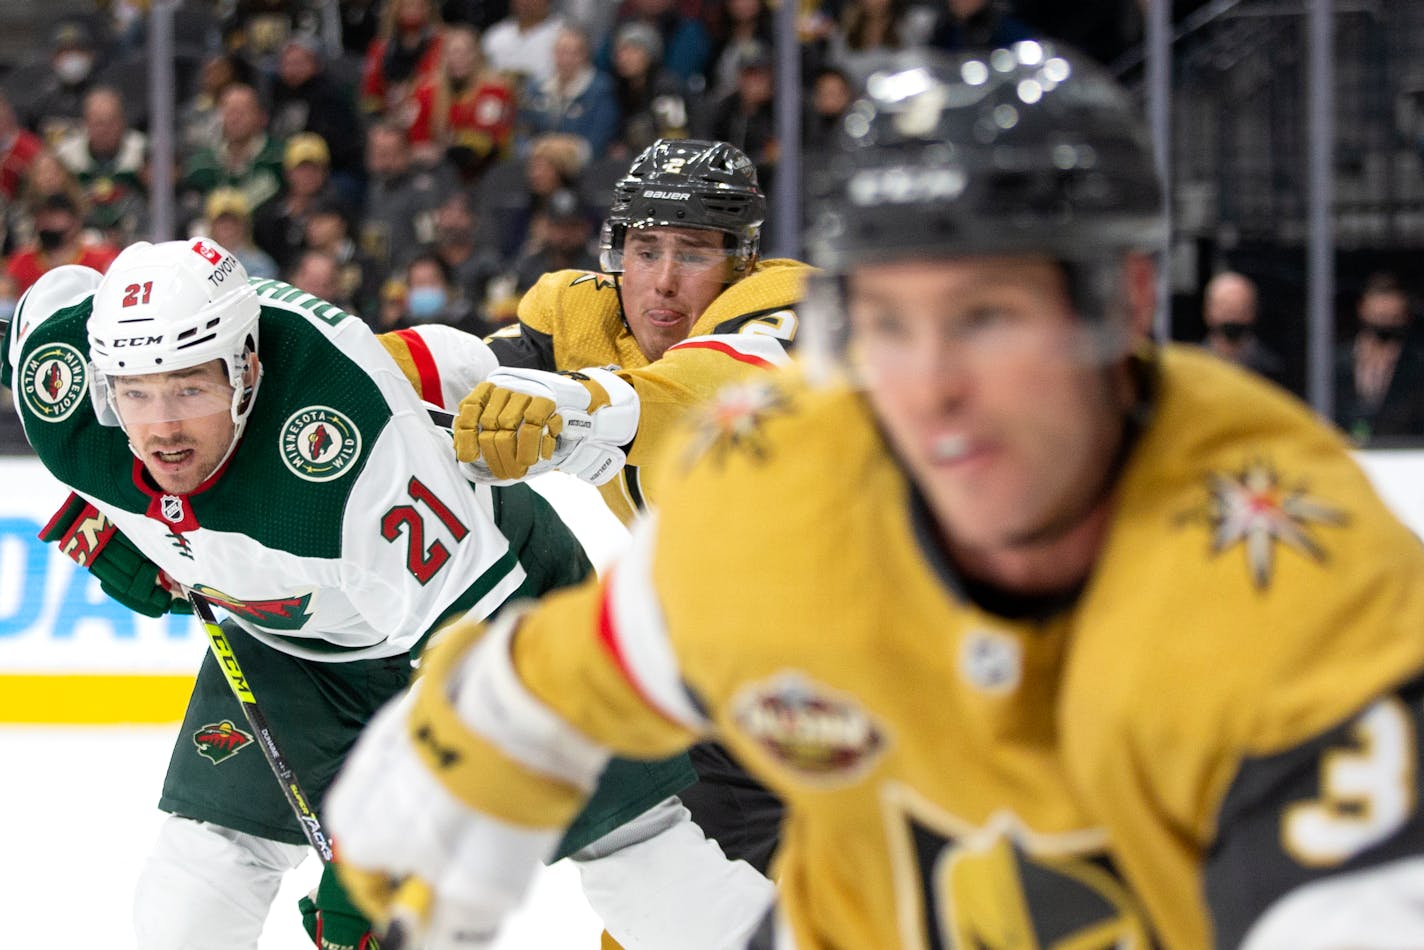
{"x": 1025, "y": 149}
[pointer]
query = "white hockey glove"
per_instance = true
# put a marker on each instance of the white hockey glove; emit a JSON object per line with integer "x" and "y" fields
{"x": 413, "y": 848}
{"x": 521, "y": 422}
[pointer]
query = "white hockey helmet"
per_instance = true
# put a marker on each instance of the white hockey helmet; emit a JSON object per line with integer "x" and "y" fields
{"x": 171, "y": 306}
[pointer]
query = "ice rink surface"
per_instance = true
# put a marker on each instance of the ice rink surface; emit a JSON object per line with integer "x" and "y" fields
{"x": 78, "y": 814}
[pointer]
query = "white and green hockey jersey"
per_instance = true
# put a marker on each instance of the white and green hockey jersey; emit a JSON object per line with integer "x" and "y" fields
{"x": 340, "y": 528}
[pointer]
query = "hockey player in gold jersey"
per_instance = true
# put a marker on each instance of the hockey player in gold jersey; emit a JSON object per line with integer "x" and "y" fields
{"x": 684, "y": 305}
{"x": 1049, "y": 636}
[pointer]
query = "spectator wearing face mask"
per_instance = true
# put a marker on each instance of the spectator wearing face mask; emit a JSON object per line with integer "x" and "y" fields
{"x": 1229, "y": 312}
{"x": 59, "y": 104}
{"x": 58, "y": 240}
{"x": 1379, "y": 378}
{"x": 433, "y": 297}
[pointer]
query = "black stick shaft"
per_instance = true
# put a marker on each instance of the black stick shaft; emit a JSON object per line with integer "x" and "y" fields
{"x": 271, "y": 751}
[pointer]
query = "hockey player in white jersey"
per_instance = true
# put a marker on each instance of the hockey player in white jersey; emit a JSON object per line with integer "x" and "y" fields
{"x": 253, "y": 443}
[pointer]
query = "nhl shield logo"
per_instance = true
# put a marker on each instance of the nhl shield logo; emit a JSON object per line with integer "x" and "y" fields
{"x": 53, "y": 381}
{"x": 220, "y": 741}
{"x": 172, "y": 508}
{"x": 822, "y": 735}
{"x": 319, "y": 444}
{"x": 991, "y": 661}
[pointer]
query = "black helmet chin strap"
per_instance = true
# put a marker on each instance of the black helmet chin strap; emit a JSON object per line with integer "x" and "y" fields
{"x": 618, "y": 289}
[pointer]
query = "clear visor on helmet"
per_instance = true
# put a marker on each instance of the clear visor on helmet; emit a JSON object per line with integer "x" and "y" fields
{"x": 166, "y": 397}
{"x": 653, "y": 249}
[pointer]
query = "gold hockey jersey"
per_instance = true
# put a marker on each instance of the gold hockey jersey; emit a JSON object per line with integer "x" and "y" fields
{"x": 571, "y": 320}
{"x": 1226, "y": 719}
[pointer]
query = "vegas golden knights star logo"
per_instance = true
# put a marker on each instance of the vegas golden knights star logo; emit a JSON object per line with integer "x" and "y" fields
{"x": 734, "y": 420}
{"x": 1253, "y": 507}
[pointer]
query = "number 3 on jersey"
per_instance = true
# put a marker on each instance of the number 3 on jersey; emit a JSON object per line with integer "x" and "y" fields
{"x": 423, "y": 562}
{"x": 1366, "y": 790}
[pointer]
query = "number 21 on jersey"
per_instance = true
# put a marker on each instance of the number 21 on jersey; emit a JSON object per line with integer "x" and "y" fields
{"x": 423, "y": 561}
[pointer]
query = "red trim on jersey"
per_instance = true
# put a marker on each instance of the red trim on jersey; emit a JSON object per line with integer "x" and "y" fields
{"x": 424, "y": 362}
{"x": 63, "y": 510}
{"x": 608, "y": 636}
{"x": 731, "y": 351}
{"x": 189, "y": 519}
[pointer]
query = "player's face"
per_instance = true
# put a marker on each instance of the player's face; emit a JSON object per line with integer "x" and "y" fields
{"x": 670, "y": 276}
{"x": 179, "y": 424}
{"x": 986, "y": 383}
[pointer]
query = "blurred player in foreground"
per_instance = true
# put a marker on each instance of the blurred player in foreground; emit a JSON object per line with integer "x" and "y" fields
{"x": 1043, "y": 641}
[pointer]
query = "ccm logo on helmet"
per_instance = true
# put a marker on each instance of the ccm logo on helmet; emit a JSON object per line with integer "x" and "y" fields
{"x": 136, "y": 341}
{"x": 904, "y": 185}
{"x": 210, "y": 254}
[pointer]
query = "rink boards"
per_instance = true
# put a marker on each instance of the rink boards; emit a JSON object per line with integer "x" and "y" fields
{"x": 70, "y": 654}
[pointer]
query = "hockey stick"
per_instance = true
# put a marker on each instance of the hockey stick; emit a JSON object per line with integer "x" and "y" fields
{"x": 291, "y": 788}
{"x": 397, "y": 934}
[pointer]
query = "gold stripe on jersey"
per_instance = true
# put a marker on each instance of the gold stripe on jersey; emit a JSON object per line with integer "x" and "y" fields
{"x": 458, "y": 757}
{"x": 600, "y": 701}
{"x": 399, "y": 350}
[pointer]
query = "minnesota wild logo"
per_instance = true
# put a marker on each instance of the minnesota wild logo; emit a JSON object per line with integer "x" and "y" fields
{"x": 53, "y": 381}
{"x": 319, "y": 444}
{"x": 279, "y": 613}
{"x": 220, "y": 741}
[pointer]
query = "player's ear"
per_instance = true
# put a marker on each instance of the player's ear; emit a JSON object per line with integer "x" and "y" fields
{"x": 1140, "y": 279}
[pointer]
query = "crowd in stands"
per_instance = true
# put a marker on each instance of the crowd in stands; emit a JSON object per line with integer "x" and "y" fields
{"x": 477, "y": 137}
{"x": 417, "y": 160}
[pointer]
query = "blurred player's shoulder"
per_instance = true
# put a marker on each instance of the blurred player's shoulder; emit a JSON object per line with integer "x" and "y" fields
{"x": 771, "y": 427}
{"x": 1242, "y": 511}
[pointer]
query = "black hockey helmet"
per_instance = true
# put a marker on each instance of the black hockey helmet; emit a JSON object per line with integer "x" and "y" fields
{"x": 1025, "y": 149}
{"x": 687, "y": 183}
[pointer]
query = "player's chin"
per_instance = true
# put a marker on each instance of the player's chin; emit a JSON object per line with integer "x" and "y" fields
{"x": 180, "y": 482}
